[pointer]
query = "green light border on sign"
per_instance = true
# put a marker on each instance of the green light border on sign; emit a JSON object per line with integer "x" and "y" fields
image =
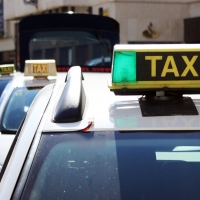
{"x": 124, "y": 67}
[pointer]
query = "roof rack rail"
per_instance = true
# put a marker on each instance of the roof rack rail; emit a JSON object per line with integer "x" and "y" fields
{"x": 71, "y": 104}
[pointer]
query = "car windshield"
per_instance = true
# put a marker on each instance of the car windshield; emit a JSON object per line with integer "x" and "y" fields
{"x": 16, "y": 107}
{"x": 116, "y": 165}
{"x": 73, "y": 47}
{"x": 3, "y": 84}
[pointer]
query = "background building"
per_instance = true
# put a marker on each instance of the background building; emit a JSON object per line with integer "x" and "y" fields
{"x": 7, "y": 44}
{"x": 141, "y": 21}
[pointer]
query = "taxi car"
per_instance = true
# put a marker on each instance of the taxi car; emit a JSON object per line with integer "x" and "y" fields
{"x": 7, "y": 74}
{"x": 133, "y": 137}
{"x": 18, "y": 97}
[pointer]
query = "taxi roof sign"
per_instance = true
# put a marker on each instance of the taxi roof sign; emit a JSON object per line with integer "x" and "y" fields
{"x": 40, "y": 68}
{"x": 7, "y": 69}
{"x": 156, "y": 67}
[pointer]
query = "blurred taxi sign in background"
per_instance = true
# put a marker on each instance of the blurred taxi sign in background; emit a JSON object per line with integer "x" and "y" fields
{"x": 40, "y": 68}
{"x": 7, "y": 69}
{"x": 156, "y": 67}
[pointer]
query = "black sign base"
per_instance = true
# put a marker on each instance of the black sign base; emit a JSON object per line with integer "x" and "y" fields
{"x": 167, "y": 107}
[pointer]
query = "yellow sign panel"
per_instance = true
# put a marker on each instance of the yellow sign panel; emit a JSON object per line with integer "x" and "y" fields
{"x": 6, "y": 69}
{"x": 40, "y": 68}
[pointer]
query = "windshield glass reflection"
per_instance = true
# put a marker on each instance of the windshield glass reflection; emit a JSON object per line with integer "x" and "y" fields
{"x": 17, "y": 106}
{"x": 72, "y": 47}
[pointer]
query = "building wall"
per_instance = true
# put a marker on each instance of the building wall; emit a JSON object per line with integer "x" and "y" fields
{"x": 134, "y": 19}
{"x": 12, "y": 11}
{"x": 194, "y": 9}
{"x": 17, "y": 8}
{"x": 166, "y": 16}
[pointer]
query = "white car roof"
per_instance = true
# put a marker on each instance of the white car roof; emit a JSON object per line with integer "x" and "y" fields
{"x": 110, "y": 112}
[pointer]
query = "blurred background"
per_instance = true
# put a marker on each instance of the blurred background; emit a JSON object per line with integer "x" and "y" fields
{"x": 141, "y": 21}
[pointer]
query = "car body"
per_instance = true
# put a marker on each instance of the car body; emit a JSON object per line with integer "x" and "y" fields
{"x": 8, "y": 73}
{"x": 93, "y": 139}
{"x": 16, "y": 100}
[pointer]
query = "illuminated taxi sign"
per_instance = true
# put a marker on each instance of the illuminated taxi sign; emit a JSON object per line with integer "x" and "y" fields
{"x": 40, "y": 68}
{"x": 155, "y": 67}
{"x": 7, "y": 69}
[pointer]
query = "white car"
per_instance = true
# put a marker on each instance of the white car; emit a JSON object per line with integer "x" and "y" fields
{"x": 7, "y": 75}
{"x": 18, "y": 96}
{"x": 136, "y": 136}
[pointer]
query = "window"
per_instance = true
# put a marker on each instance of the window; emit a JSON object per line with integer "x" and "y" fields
{"x": 3, "y": 84}
{"x": 116, "y": 165}
{"x": 16, "y": 108}
{"x": 72, "y": 47}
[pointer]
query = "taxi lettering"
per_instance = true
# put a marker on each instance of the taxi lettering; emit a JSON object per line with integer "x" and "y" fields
{"x": 40, "y": 68}
{"x": 171, "y": 67}
{"x": 7, "y": 69}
